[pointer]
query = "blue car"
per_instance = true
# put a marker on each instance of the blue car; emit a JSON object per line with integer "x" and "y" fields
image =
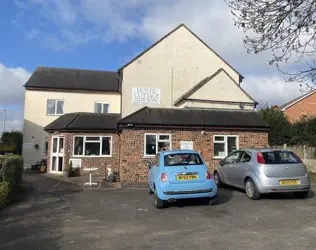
{"x": 180, "y": 174}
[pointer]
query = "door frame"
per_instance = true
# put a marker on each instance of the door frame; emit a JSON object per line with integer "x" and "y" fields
{"x": 57, "y": 154}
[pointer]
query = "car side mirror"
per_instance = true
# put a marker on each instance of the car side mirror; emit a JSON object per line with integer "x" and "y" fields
{"x": 221, "y": 162}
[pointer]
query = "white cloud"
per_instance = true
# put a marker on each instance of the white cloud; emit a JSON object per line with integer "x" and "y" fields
{"x": 12, "y": 95}
{"x": 272, "y": 90}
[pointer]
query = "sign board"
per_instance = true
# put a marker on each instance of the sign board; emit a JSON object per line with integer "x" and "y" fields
{"x": 76, "y": 163}
{"x": 186, "y": 145}
{"x": 146, "y": 96}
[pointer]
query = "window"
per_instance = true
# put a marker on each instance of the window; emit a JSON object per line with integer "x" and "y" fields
{"x": 155, "y": 143}
{"x": 101, "y": 107}
{"x": 233, "y": 158}
{"x": 245, "y": 157}
{"x": 182, "y": 159}
{"x": 92, "y": 146}
{"x": 55, "y": 107}
{"x": 224, "y": 145}
{"x": 280, "y": 157}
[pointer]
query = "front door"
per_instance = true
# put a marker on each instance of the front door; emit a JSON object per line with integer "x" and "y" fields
{"x": 57, "y": 158}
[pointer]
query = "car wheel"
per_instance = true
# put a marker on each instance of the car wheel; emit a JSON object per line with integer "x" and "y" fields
{"x": 302, "y": 195}
{"x": 158, "y": 202}
{"x": 150, "y": 191}
{"x": 251, "y": 190}
{"x": 217, "y": 179}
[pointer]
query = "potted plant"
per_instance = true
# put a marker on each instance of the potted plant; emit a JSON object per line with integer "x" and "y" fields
{"x": 43, "y": 168}
{"x": 67, "y": 171}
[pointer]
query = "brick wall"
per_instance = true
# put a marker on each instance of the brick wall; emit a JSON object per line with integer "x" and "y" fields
{"x": 101, "y": 162}
{"x": 306, "y": 107}
{"x": 132, "y": 161}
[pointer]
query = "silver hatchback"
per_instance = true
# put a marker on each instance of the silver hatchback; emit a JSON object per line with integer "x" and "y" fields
{"x": 260, "y": 171}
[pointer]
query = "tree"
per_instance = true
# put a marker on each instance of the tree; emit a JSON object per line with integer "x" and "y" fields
{"x": 13, "y": 138}
{"x": 285, "y": 27}
{"x": 280, "y": 131}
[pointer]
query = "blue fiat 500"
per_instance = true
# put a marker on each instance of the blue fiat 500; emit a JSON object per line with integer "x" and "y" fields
{"x": 180, "y": 174}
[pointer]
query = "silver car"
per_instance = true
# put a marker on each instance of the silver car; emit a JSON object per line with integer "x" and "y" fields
{"x": 260, "y": 171}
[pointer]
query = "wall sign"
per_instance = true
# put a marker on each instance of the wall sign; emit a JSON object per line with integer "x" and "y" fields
{"x": 146, "y": 96}
{"x": 186, "y": 145}
{"x": 76, "y": 163}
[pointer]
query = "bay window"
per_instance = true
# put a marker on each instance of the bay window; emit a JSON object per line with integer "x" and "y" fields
{"x": 224, "y": 145}
{"x": 154, "y": 143}
{"x": 92, "y": 146}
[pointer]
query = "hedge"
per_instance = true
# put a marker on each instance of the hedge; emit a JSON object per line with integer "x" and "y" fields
{"x": 11, "y": 169}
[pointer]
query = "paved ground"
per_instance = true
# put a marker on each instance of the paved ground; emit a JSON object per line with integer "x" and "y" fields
{"x": 71, "y": 218}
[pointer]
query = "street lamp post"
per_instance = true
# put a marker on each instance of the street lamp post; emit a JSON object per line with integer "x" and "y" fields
{"x": 5, "y": 114}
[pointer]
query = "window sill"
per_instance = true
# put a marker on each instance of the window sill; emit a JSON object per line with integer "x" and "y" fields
{"x": 91, "y": 156}
{"x": 148, "y": 156}
{"x": 54, "y": 114}
{"x": 218, "y": 157}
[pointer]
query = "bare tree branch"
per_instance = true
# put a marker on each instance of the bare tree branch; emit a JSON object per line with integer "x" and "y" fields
{"x": 285, "y": 27}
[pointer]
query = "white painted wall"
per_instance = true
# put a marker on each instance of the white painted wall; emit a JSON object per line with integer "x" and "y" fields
{"x": 35, "y": 118}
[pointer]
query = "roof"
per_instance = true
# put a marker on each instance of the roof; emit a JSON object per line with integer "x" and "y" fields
{"x": 296, "y": 100}
{"x": 206, "y": 80}
{"x": 84, "y": 122}
{"x": 74, "y": 79}
{"x": 194, "y": 118}
{"x": 168, "y": 34}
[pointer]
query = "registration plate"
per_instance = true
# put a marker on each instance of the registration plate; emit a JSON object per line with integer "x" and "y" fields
{"x": 289, "y": 182}
{"x": 187, "y": 177}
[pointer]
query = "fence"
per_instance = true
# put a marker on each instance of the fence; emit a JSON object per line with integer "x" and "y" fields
{"x": 307, "y": 154}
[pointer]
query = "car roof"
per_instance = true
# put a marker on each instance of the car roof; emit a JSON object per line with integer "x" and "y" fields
{"x": 262, "y": 149}
{"x": 178, "y": 151}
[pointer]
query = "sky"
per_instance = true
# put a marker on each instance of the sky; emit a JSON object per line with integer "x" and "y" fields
{"x": 105, "y": 34}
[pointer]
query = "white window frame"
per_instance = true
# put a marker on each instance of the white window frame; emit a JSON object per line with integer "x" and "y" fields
{"x": 56, "y": 100}
{"x": 100, "y": 102}
{"x": 84, "y": 145}
{"x": 225, "y": 142}
{"x": 157, "y": 140}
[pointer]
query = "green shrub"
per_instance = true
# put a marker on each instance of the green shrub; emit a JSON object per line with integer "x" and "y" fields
{"x": 11, "y": 169}
{"x": 4, "y": 192}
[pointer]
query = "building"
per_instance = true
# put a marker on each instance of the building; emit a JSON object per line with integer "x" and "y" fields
{"x": 178, "y": 93}
{"x": 302, "y": 106}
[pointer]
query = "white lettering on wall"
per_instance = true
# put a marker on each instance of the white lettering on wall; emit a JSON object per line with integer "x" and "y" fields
{"x": 146, "y": 96}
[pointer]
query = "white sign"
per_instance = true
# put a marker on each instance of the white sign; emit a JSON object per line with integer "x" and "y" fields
{"x": 76, "y": 163}
{"x": 146, "y": 96}
{"x": 186, "y": 145}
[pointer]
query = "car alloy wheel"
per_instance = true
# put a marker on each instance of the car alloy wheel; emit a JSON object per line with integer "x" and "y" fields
{"x": 250, "y": 190}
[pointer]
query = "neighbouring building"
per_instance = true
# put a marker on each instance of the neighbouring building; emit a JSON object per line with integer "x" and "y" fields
{"x": 302, "y": 106}
{"x": 178, "y": 93}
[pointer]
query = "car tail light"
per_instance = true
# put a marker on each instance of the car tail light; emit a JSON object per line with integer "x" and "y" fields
{"x": 208, "y": 175}
{"x": 260, "y": 158}
{"x": 164, "y": 177}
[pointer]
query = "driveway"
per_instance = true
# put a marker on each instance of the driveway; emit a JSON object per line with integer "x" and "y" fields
{"x": 69, "y": 217}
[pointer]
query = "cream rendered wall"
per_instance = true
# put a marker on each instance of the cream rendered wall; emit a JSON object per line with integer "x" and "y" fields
{"x": 174, "y": 65}
{"x": 221, "y": 88}
{"x": 194, "y": 104}
{"x": 35, "y": 118}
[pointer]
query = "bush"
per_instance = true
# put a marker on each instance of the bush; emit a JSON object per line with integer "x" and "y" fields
{"x": 11, "y": 169}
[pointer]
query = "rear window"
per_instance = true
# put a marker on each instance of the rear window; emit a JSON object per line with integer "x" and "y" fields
{"x": 280, "y": 157}
{"x": 182, "y": 159}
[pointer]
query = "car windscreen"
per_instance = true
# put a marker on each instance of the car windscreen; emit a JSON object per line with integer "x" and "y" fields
{"x": 280, "y": 157}
{"x": 182, "y": 159}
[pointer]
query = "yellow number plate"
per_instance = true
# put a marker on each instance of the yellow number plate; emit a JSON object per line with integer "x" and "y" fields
{"x": 289, "y": 182}
{"x": 187, "y": 177}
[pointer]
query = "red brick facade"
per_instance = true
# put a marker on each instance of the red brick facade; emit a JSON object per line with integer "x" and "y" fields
{"x": 132, "y": 160}
{"x": 305, "y": 107}
{"x": 101, "y": 162}
{"x": 128, "y": 149}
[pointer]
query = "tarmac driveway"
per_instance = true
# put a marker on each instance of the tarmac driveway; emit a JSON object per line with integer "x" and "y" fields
{"x": 69, "y": 217}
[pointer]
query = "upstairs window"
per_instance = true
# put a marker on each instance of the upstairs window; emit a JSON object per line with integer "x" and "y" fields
{"x": 55, "y": 107}
{"x": 101, "y": 107}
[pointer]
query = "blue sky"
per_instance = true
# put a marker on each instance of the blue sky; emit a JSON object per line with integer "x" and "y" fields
{"x": 105, "y": 34}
